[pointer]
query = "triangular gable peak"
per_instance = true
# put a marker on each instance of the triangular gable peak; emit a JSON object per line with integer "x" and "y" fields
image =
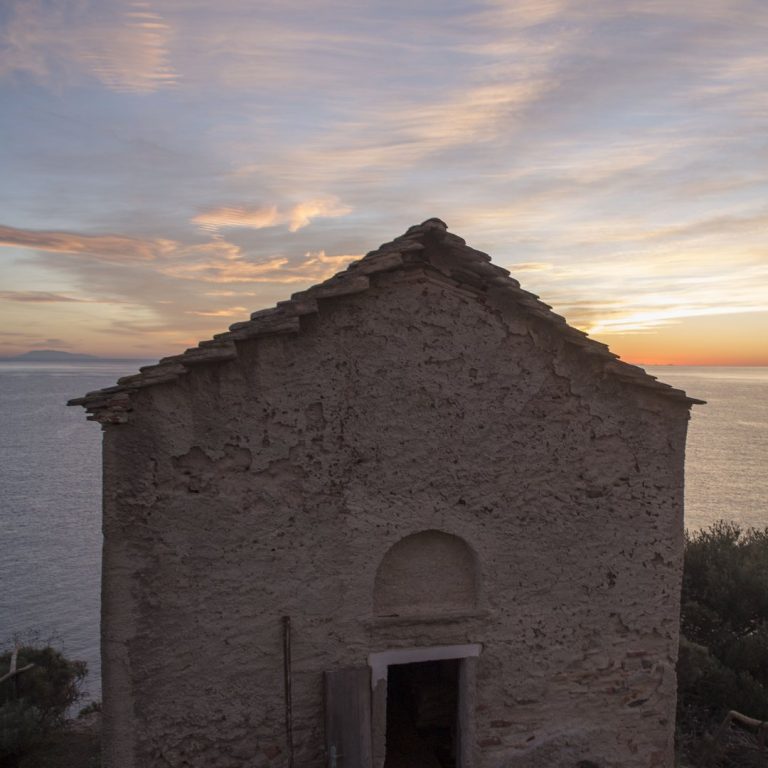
{"x": 426, "y": 247}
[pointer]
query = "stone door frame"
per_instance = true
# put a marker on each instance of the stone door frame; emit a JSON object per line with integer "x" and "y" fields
{"x": 467, "y": 657}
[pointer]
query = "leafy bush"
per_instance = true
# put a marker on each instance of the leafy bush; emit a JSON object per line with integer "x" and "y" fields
{"x": 35, "y": 702}
{"x": 714, "y": 688}
{"x": 89, "y": 709}
{"x": 723, "y": 661}
{"x": 725, "y": 585}
{"x": 19, "y": 728}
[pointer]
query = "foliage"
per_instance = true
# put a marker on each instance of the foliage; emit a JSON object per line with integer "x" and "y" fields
{"x": 19, "y": 727}
{"x": 725, "y": 589}
{"x": 723, "y": 661}
{"x": 714, "y": 688}
{"x": 35, "y": 702}
{"x": 89, "y": 709}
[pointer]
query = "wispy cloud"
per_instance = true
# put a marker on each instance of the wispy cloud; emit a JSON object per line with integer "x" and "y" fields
{"x": 530, "y": 266}
{"x": 104, "y": 247}
{"x": 134, "y": 54}
{"x": 259, "y": 217}
{"x": 729, "y": 229}
{"x": 665, "y": 291}
{"x": 398, "y": 134}
{"x": 171, "y": 298}
{"x": 39, "y": 297}
{"x": 522, "y": 15}
{"x": 612, "y": 154}
{"x": 228, "y": 312}
{"x": 652, "y": 319}
{"x": 125, "y": 47}
{"x": 667, "y": 286}
{"x": 14, "y": 335}
{"x": 55, "y": 343}
{"x": 234, "y": 267}
{"x": 215, "y": 261}
{"x": 238, "y": 216}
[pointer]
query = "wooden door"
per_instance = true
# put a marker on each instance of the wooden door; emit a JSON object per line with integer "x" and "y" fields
{"x": 348, "y": 718}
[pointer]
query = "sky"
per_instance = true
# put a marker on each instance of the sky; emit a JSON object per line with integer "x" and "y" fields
{"x": 169, "y": 166}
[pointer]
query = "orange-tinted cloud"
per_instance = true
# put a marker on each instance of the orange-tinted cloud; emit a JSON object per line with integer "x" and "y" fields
{"x": 260, "y": 217}
{"x": 214, "y": 268}
{"x": 237, "y": 216}
{"x": 229, "y": 312}
{"x": 134, "y": 55}
{"x": 125, "y": 48}
{"x": 103, "y": 247}
{"x": 217, "y": 261}
{"x": 530, "y": 266}
{"x": 178, "y": 293}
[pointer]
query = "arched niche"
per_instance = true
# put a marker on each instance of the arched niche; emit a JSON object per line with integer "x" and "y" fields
{"x": 430, "y": 572}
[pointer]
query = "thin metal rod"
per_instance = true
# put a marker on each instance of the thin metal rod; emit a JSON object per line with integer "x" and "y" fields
{"x": 288, "y": 687}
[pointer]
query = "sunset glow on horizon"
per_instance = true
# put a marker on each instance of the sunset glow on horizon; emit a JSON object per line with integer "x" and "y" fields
{"x": 170, "y": 167}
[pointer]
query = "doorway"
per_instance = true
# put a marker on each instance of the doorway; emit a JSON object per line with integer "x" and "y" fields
{"x": 422, "y": 729}
{"x": 463, "y": 660}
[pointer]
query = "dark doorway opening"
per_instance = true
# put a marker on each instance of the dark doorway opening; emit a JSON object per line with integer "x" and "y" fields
{"x": 422, "y": 715}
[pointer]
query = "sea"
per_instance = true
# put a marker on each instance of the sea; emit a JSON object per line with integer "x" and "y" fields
{"x": 50, "y": 494}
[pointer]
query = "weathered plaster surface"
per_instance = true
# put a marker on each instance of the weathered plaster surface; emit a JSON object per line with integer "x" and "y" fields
{"x": 275, "y": 483}
{"x": 426, "y": 572}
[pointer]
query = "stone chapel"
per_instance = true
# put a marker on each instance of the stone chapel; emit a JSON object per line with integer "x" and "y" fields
{"x": 408, "y": 517}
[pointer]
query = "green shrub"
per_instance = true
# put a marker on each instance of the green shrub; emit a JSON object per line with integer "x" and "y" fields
{"x": 89, "y": 709}
{"x": 713, "y": 688}
{"x": 725, "y": 586}
{"x": 35, "y": 702}
{"x": 723, "y": 661}
{"x": 19, "y": 727}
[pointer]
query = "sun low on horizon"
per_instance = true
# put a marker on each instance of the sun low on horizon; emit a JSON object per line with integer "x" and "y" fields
{"x": 170, "y": 167}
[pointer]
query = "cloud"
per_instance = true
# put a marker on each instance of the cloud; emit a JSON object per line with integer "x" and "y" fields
{"x": 476, "y": 113}
{"x": 216, "y": 261}
{"x": 716, "y": 226}
{"x": 38, "y": 297}
{"x": 103, "y": 247}
{"x": 229, "y": 312}
{"x": 666, "y": 289}
{"x": 225, "y": 217}
{"x": 49, "y": 343}
{"x": 724, "y": 227}
{"x": 134, "y": 55}
{"x": 234, "y": 267}
{"x": 530, "y": 266}
{"x": 177, "y": 295}
{"x": 314, "y": 47}
{"x": 654, "y": 318}
{"x": 519, "y": 15}
{"x": 126, "y": 48}
{"x": 172, "y": 281}
{"x": 303, "y": 213}
{"x": 296, "y": 216}
{"x": 614, "y": 149}
{"x": 399, "y": 133}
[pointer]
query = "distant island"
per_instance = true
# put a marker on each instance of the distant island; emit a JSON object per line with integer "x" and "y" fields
{"x": 58, "y": 356}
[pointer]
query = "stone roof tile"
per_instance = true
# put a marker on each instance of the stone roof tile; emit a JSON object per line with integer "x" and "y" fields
{"x": 428, "y": 245}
